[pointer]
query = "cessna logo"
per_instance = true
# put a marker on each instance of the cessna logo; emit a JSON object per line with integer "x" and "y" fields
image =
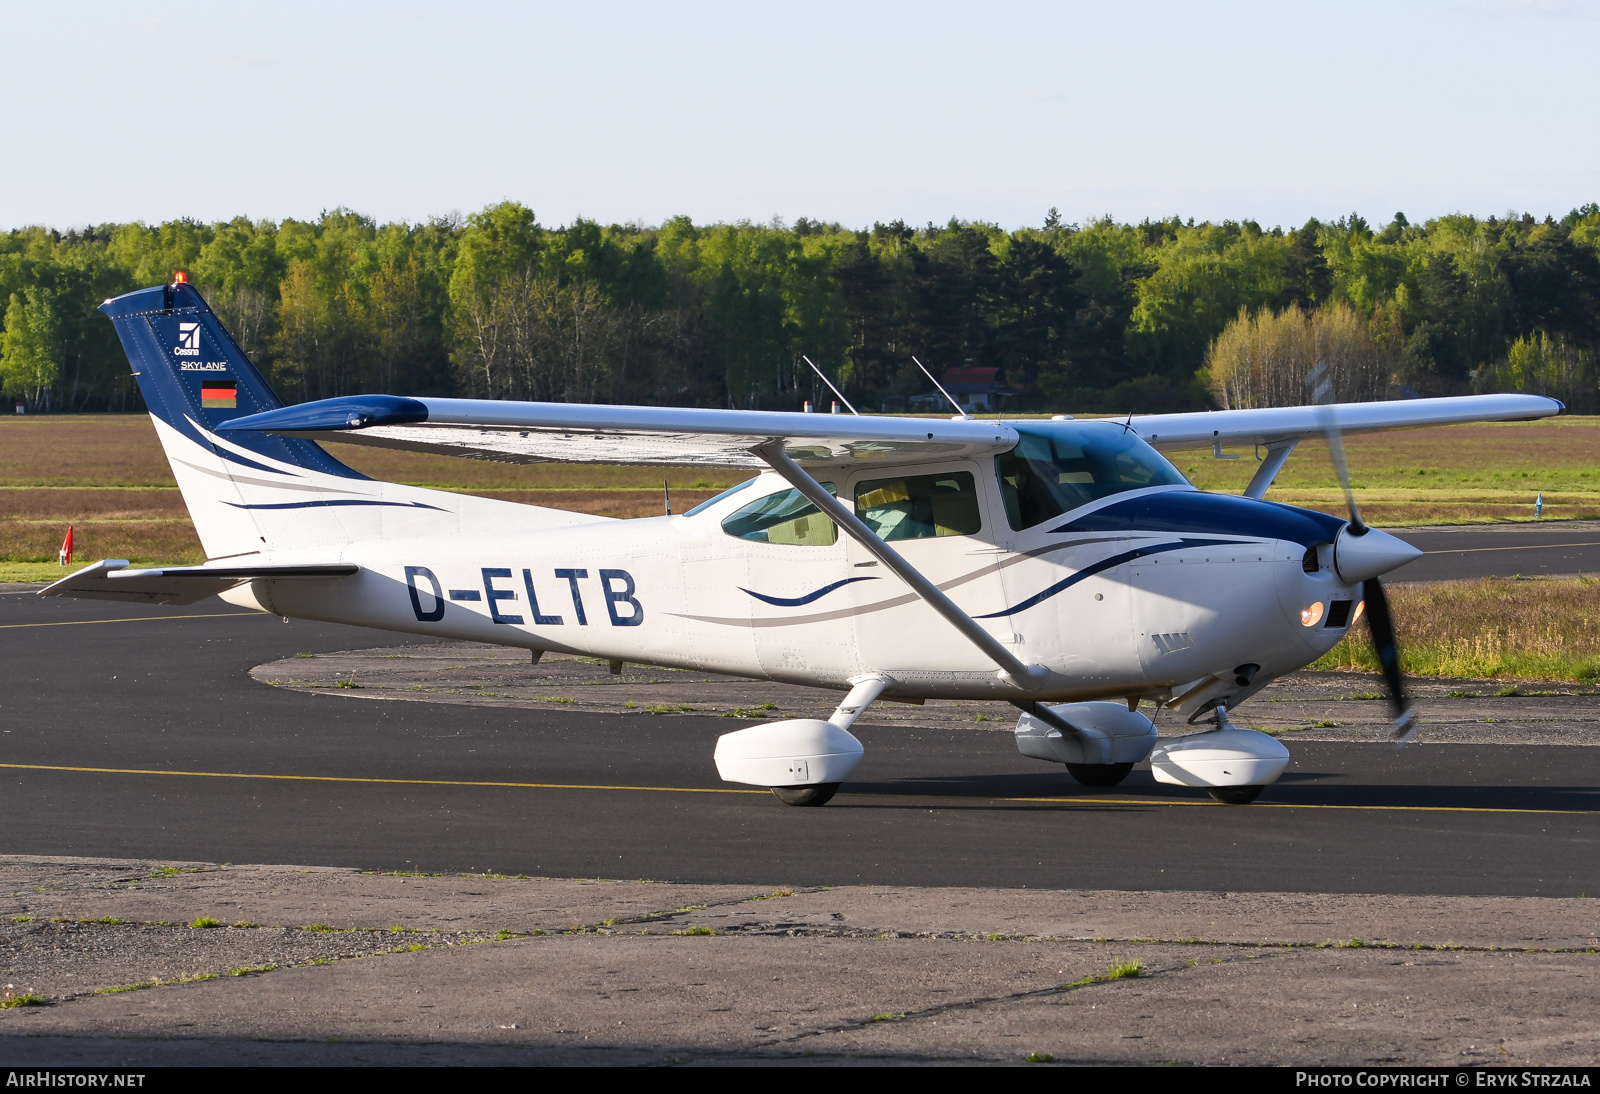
{"x": 188, "y": 340}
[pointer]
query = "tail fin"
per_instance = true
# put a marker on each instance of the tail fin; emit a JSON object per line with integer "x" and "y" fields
{"x": 194, "y": 377}
{"x": 251, "y": 493}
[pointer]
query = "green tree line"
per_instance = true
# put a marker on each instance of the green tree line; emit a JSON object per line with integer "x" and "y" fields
{"x": 1101, "y": 316}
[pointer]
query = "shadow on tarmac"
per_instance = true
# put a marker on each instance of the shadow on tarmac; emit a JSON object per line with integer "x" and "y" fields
{"x": 1296, "y": 788}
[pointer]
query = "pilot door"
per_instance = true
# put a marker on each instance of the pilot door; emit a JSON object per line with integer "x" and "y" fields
{"x": 794, "y": 586}
{"x": 941, "y": 521}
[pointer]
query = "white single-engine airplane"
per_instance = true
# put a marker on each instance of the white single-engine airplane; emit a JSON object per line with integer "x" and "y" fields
{"x": 1064, "y": 566}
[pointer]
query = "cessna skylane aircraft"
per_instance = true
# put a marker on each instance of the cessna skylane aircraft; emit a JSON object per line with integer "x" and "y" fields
{"x": 1064, "y": 566}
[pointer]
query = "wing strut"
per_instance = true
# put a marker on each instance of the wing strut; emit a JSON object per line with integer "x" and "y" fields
{"x": 1277, "y": 453}
{"x": 1027, "y": 677}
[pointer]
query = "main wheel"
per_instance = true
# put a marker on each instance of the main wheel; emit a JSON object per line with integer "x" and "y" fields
{"x": 1099, "y": 774}
{"x": 1235, "y": 795}
{"x": 821, "y": 794}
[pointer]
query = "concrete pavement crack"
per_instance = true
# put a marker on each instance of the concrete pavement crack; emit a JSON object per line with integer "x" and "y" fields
{"x": 970, "y": 1004}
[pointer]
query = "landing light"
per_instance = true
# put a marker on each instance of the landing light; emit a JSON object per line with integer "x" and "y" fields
{"x": 1361, "y": 606}
{"x": 1311, "y": 616}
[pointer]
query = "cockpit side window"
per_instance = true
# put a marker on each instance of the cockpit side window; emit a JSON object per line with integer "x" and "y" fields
{"x": 785, "y": 517}
{"x": 920, "y": 506}
{"x": 1056, "y": 468}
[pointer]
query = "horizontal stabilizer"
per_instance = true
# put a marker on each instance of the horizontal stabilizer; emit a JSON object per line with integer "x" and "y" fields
{"x": 114, "y": 579}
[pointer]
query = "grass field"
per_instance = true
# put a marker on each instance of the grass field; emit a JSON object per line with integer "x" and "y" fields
{"x": 1463, "y": 474}
{"x": 1516, "y": 628}
{"x": 107, "y": 476}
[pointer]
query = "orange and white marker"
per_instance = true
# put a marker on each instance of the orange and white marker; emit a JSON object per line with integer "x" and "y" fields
{"x": 66, "y": 547}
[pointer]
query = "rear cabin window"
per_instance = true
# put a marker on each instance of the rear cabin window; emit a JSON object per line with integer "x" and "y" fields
{"x": 920, "y": 506}
{"x": 709, "y": 502}
{"x": 1057, "y": 467}
{"x": 785, "y": 517}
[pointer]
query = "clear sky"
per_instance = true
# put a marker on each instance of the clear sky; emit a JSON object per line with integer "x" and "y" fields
{"x": 852, "y": 112}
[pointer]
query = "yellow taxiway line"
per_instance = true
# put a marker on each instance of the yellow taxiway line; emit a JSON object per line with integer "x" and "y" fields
{"x": 385, "y": 782}
{"x": 728, "y": 790}
{"x": 134, "y": 619}
{"x": 1523, "y": 547}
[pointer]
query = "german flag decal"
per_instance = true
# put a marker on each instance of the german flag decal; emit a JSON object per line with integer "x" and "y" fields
{"x": 219, "y": 394}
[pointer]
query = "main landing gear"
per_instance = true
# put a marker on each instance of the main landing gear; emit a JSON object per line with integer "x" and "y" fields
{"x": 803, "y": 761}
{"x": 1099, "y": 774}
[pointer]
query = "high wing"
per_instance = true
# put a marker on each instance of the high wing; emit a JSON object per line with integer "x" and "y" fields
{"x": 112, "y": 579}
{"x": 518, "y": 432}
{"x": 1271, "y": 426}
{"x": 524, "y": 432}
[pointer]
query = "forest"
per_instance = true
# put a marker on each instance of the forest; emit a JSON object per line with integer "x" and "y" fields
{"x": 1104, "y": 317}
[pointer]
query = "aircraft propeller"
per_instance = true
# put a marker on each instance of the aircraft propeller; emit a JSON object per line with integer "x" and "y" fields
{"x": 1380, "y": 620}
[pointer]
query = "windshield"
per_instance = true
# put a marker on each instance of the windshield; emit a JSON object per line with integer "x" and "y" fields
{"x": 1058, "y": 466}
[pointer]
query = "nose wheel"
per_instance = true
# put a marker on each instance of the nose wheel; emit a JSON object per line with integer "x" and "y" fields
{"x": 1235, "y": 795}
{"x": 1099, "y": 774}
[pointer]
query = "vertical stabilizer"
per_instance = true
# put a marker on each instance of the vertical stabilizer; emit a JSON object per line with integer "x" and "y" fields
{"x": 249, "y": 492}
{"x": 193, "y": 376}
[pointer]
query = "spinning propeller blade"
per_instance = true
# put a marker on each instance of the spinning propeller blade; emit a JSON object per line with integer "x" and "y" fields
{"x": 1380, "y": 624}
{"x": 1380, "y": 621}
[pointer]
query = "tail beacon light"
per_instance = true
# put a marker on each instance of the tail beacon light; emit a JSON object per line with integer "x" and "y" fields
{"x": 798, "y": 752}
{"x": 1357, "y": 558}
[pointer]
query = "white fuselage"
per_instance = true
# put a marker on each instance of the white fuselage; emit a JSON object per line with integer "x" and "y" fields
{"x": 1153, "y": 616}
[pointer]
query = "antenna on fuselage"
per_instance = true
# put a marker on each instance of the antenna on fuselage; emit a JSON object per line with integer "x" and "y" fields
{"x": 666, "y": 492}
{"x": 829, "y": 382}
{"x": 961, "y": 410}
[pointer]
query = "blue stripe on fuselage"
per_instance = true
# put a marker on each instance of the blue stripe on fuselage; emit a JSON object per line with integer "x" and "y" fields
{"x": 1103, "y": 565}
{"x": 1193, "y": 511}
{"x": 797, "y": 601}
{"x": 340, "y": 501}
